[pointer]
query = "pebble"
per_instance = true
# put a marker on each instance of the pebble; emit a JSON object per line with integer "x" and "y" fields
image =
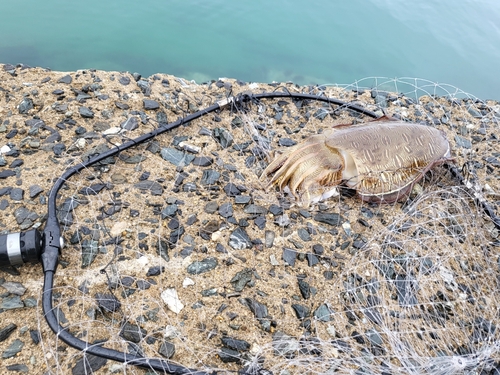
{"x": 167, "y": 349}
{"x": 289, "y": 256}
{"x": 131, "y": 123}
{"x": 14, "y": 287}
{"x": 25, "y": 106}
{"x": 226, "y": 210}
{"x": 88, "y": 365}
{"x": 12, "y": 302}
{"x": 202, "y": 266}
{"x": 86, "y": 112}
{"x": 241, "y": 279}
{"x": 13, "y": 349}
{"x": 6, "y": 331}
{"x": 239, "y": 239}
{"x": 150, "y": 104}
{"x": 171, "y": 299}
{"x": 67, "y": 79}
{"x": 176, "y": 157}
{"x": 223, "y": 136}
{"x": 107, "y": 302}
{"x": 329, "y": 218}
{"x": 285, "y": 345}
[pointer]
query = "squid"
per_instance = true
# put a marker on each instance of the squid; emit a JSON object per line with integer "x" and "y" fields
{"x": 381, "y": 160}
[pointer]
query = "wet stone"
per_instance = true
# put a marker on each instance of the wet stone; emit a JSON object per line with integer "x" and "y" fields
{"x": 239, "y": 239}
{"x": 202, "y": 266}
{"x": 86, "y": 112}
{"x": 167, "y": 349}
{"x": 107, "y": 302}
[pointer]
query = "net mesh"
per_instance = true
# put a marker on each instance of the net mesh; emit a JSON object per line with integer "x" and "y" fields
{"x": 176, "y": 249}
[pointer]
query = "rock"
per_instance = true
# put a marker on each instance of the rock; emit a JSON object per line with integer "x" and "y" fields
{"x": 10, "y": 303}
{"x": 269, "y": 238}
{"x": 88, "y": 364}
{"x": 6, "y": 331}
{"x": 66, "y": 79}
{"x": 284, "y": 345}
{"x": 202, "y": 266}
{"x": 171, "y": 299}
{"x": 232, "y": 190}
{"x": 322, "y": 313}
{"x": 13, "y": 349}
{"x": 227, "y": 355}
{"x": 154, "y": 187}
{"x": 86, "y": 112}
{"x": 19, "y": 367}
{"x": 14, "y": 287}
{"x": 289, "y": 256}
{"x": 124, "y": 80}
{"x": 203, "y": 161}
{"x": 304, "y": 234}
{"x": 150, "y": 104}
{"x": 176, "y": 157}
{"x": 223, "y": 136}
{"x": 329, "y": 218}
{"x": 155, "y": 271}
{"x": 241, "y": 279}
{"x": 305, "y": 289}
{"x": 287, "y": 142}
{"x": 132, "y": 332}
{"x": 131, "y": 123}
{"x": 226, "y": 210}
{"x": 25, "y": 106}
{"x": 107, "y": 302}
{"x": 167, "y": 349}
{"x": 209, "y": 177}
{"x": 235, "y": 344}
{"x": 301, "y": 311}
{"x": 258, "y": 309}
{"x": 462, "y": 142}
{"x": 239, "y": 239}
{"x": 254, "y": 209}
{"x": 6, "y": 173}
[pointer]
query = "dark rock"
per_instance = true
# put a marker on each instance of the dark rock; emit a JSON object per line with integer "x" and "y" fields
{"x": 132, "y": 332}
{"x": 301, "y": 311}
{"x": 209, "y": 177}
{"x": 254, "y": 209}
{"x": 305, "y": 288}
{"x": 239, "y": 239}
{"x": 211, "y": 207}
{"x": 223, "y": 136}
{"x": 258, "y": 309}
{"x": 88, "y": 364}
{"x": 131, "y": 123}
{"x": 12, "y": 302}
{"x": 7, "y": 173}
{"x": 322, "y": 313}
{"x": 318, "y": 249}
{"x": 462, "y": 142}
{"x": 231, "y": 190}
{"x": 154, "y": 187}
{"x": 15, "y": 347}
{"x": 242, "y": 199}
{"x": 284, "y": 345}
{"x": 287, "y": 142}
{"x": 107, "y": 302}
{"x": 202, "y": 266}
{"x": 241, "y": 279}
{"x": 92, "y": 189}
{"x": 58, "y": 149}
{"x": 226, "y": 210}
{"x": 144, "y": 86}
{"x": 150, "y": 104}
{"x": 374, "y": 337}
{"x": 276, "y": 210}
{"x": 89, "y": 252}
{"x": 86, "y": 112}
{"x": 155, "y": 271}
{"x": 207, "y": 230}
{"x": 203, "y": 161}
{"x": 312, "y": 259}
{"x": 260, "y": 222}
{"x": 25, "y": 106}
{"x": 6, "y": 331}
{"x": 227, "y": 355}
{"x": 19, "y": 367}
{"x": 235, "y": 344}
{"x": 169, "y": 211}
{"x": 124, "y": 80}
{"x": 329, "y": 218}
{"x": 66, "y": 79}
{"x": 304, "y": 234}
{"x": 167, "y": 349}
{"x": 17, "y": 194}
{"x": 289, "y": 256}
{"x": 176, "y": 157}
{"x": 405, "y": 287}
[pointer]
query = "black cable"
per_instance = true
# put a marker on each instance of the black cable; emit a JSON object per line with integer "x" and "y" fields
{"x": 52, "y": 232}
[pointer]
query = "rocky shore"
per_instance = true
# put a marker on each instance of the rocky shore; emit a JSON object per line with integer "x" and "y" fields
{"x": 176, "y": 249}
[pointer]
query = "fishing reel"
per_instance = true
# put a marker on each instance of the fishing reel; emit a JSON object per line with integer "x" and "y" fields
{"x": 19, "y": 248}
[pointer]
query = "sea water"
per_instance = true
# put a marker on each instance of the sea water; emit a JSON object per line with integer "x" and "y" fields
{"x": 308, "y": 42}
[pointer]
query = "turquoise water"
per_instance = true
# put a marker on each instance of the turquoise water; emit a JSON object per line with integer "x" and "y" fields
{"x": 316, "y": 41}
